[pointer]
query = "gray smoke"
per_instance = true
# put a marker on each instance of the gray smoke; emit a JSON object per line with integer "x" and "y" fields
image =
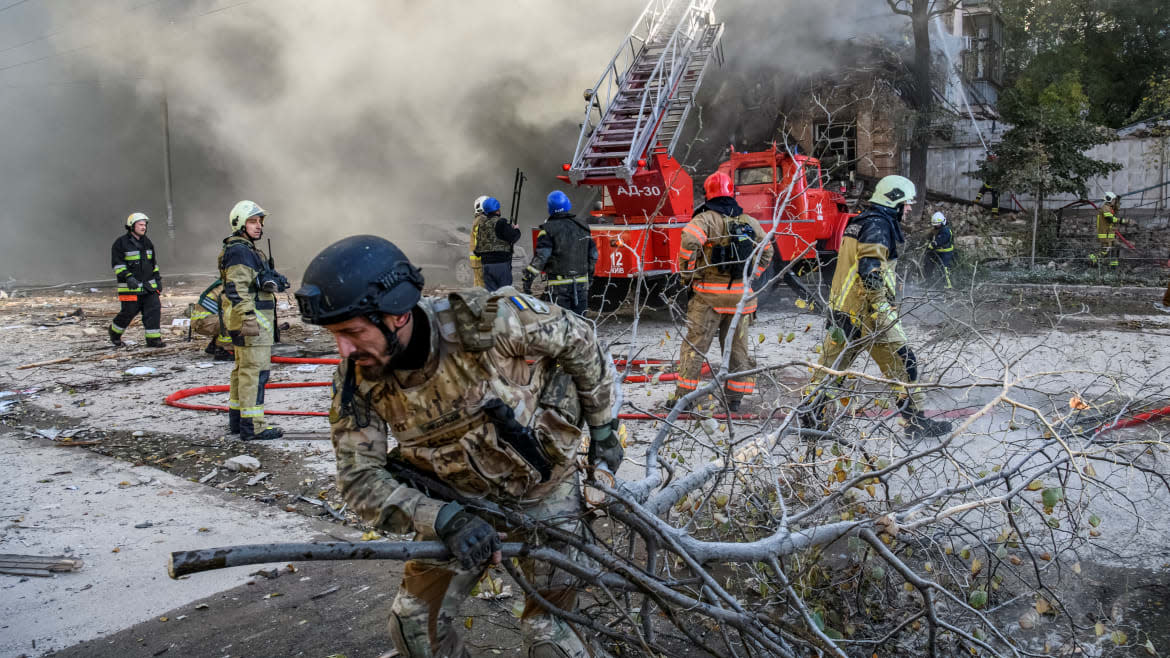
{"x": 378, "y": 116}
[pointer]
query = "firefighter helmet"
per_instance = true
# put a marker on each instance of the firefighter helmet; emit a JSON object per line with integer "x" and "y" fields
{"x": 479, "y": 204}
{"x": 718, "y": 184}
{"x": 558, "y": 201}
{"x": 359, "y": 275}
{"x": 241, "y": 212}
{"x": 135, "y": 218}
{"x": 491, "y": 205}
{"x": 893, "y": 191}
{"x": 938, "y": 219}
{"x": 1110, "y": 197}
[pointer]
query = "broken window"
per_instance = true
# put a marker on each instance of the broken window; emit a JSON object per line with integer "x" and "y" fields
{"x": 836, "y": 145}
{"x": 982, "y": 56}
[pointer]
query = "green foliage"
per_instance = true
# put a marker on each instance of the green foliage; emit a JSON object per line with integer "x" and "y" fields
{"x": 1115, "y": 48}
{"x": 1156, "y": 101}
{"x": 1044, "y": 152}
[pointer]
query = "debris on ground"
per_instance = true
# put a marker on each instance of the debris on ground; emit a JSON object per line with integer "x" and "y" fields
{"x": 245, "y": 463}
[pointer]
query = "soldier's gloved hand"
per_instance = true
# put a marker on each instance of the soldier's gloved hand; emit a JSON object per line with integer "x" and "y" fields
{"x": 470, "y": 539}
{"x": 250, "y": 327}
{"x": 528, "y": 278}
{"x": 605, "y": 446}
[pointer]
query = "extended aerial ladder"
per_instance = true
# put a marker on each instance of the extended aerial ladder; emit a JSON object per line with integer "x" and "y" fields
{"x": 644, "y": 96}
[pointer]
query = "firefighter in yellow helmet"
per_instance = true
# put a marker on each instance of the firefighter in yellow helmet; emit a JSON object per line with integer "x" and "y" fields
{"x": 716, "y": 246}
{"x": 248, "y": 313}
{"x": 1108, "y": 220}
{"x": 862, "y": 309}
{"x": 139, "y": 282}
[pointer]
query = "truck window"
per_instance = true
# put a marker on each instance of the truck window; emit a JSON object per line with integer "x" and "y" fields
{"x": 754, "y": 175}
{"x": 812, "y": 176}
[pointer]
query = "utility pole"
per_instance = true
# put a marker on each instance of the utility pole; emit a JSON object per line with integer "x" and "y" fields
{"x": 166, "y": 126}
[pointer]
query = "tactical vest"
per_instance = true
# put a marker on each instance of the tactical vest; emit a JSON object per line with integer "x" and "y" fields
{"x": 571, "y": 240}
{"x": 486, "y": 239}
{"x": 437, "y": 414}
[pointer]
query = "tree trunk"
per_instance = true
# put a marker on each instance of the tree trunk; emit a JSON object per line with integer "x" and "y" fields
{"x": 924, "y": 100}
{"x": 1036, "y": 223}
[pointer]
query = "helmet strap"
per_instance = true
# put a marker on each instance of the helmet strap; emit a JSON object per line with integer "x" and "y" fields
{"x": 394, "y": 347}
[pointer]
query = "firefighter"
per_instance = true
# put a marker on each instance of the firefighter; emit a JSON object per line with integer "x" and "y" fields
{"x": 862, "y": 311}
{"x": 205, "y": 321}
{"x": 1107, "y": 223}
{"x": 485, "y": 393}
{"x": 248, "y": 312}
{"x": 715, "y": 247}
{"x": 493, "y": 239}
{"x": 476, "y": 265}
{"x": 941, "y": 252}
{"x": 989, "y": 190}
{"x": 565, "y": 251}
{"x": 139, "y": 282}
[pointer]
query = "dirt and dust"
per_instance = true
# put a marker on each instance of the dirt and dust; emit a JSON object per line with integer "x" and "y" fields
{"x": 86, "y": 402}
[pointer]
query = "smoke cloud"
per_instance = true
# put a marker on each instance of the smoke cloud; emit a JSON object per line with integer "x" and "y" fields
{"x": 379, "y": 116}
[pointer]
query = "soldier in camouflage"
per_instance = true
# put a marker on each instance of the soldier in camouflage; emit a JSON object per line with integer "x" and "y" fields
{"x": 486, "y": 393}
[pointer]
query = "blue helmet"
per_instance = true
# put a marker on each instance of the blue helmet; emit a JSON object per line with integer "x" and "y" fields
{"x": 558, "y": 201}
{"x": 491, "y": 205}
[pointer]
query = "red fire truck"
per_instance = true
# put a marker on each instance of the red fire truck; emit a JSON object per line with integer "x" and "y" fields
{"x": 634, "y": 116}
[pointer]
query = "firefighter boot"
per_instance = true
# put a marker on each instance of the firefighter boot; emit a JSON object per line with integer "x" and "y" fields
{"x": 247, "y": 433}
{"x": 233, "y": 421}
{"x": 115, "y": 338}
{"x": 155, "y": 341}
{"x": 733, "y": 404}
{"x": 918, "y": 426}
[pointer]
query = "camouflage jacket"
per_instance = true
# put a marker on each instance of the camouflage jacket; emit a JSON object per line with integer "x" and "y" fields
{"x": 707, "y": 230}
{"x": 481, "y": 345}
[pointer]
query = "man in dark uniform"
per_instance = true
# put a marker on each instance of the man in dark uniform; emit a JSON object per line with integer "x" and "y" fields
{"x": 565, "y": 251}
{"x": 941, "y": 249}
{"x": 139, "y": 282}
{"x": 493, "y": 240}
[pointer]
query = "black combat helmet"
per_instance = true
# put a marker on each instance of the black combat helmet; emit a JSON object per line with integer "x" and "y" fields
{"x": 359, "y": 275}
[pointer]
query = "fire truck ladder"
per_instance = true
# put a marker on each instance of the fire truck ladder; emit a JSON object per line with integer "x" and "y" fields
{"x": 647, "y": 90}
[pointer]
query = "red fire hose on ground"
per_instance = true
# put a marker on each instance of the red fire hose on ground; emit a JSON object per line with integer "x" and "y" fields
{"x": 175, "y": 399}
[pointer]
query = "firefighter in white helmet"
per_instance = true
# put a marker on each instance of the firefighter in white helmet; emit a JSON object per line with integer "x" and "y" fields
{"x": 476, "y": 263}
{"x": 248, "y": 311}
{"x": 139, "y": 282}
{"x": 1108, "y": 220}
{"x": 941, "y": 250}
{"x": 863, "y": 316}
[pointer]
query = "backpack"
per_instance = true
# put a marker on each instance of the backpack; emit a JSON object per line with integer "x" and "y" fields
{"x": 732, "y": 252}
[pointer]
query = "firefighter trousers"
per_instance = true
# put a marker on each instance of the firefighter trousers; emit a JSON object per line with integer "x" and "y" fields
{"x": 496, "y": 275}
{"x": 846, "y": 340}
{"x": 148, "y": 304}
{"x": 703, "y": 324}
{"x": 424, "y": 618}
{"x": 571, "y": 296}
{"x": 1108, "y": 253}
{"x": 476, "y": 271}
{"x": 1166, "y": 296}
{"x": 246, "y": 398}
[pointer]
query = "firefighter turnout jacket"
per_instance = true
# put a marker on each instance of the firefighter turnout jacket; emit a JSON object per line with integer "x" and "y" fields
{"x": 1108, "y": 221}
{"x": 564, "y": 250}
{"x": 490, "y": 396}
{"x": 244, "y": 302}
{"x": 134, "y": 266}
{"x": 494, "y": 237}
{"x": 943, "y": 244}
{"x": 865, "y": 282}
{"x": 713, "y": 250}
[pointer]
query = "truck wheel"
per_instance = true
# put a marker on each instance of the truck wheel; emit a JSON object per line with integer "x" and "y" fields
{"x": 606, "y": 294}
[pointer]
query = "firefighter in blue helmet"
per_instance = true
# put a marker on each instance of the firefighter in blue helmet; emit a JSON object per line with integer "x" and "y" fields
{"x": 566, "y": 253}
{"x": 493, "y": 237}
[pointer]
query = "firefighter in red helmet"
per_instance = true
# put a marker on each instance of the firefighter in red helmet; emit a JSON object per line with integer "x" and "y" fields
{"x": 722, "y": 250}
